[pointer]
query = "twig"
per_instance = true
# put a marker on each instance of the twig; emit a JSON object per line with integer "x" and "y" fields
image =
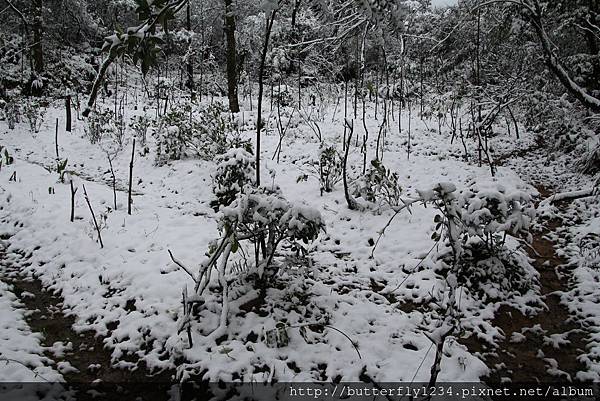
{"x": 73, "y": 192}
{"x": 87, "y": 199}
{"x": 331, "y": 327}
{"x": 130, "y": 200}
{"x": 21, "y": 363}
{"x": 406, "y": 205}
{"x": 183, "y": 267}
{"x": 114, "y": 181}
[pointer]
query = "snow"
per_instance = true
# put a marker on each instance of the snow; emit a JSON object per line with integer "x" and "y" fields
{"x": 21, "y": 352}
{"x": 171, "y": 211}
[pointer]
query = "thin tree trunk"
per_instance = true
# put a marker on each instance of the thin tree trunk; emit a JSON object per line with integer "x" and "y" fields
{"x": 68, "y": 111}
{"x": 73, "y": 192}
{"x": 261, "y": 72}
{"x": 295, "y": 12}
{"x": 37, "y": 50}
{"x": 190, "y": 62}
{"x": 87, "y": 199}
{"x": 130, "y": 200}
{"x": 232, "y": 94}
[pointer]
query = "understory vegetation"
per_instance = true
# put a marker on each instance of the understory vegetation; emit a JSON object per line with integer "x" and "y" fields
{"x": 297, "y": 190}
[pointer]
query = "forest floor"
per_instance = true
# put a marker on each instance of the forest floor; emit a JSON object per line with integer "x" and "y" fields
{"x": 110, "y": 314}
{"x": 544, "y": 346}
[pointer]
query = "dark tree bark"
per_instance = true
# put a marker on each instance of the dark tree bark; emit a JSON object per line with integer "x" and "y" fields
{"x": 261, "y": 72}
{"x": 552, "y": 62}
{"x": 68, "y": 112}
{"x": 190, "y": 63}
{"x": 295, "y": 12}
{"x": 232, "y": 92}
{"x": 129, "y": 198}
{"x": 37, "y": 50}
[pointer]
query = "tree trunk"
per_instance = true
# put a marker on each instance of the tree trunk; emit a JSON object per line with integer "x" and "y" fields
{"x": 68, "y": 112}
{"x": 295, "y": 13}
{"x": 190, "y": 62}
{"x": 261, "y": 72}
{"x": 588, "y": 101}
{"x": 37, "y": 51}
{"x": 231, "y": 57}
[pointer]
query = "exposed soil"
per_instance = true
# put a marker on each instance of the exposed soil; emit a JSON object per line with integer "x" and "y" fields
{"x": 528, "y": 352}
{"x": 90, "y": 372}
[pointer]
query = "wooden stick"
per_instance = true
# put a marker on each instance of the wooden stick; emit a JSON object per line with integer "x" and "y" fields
{"x": 87, "y": 199}
{"x": 68, "y": 110}
{"x": 114, "y": 181}
{"x": 73, "y": 192}
{"x": 130, "y": 201}
{"x": 56, "y": 141}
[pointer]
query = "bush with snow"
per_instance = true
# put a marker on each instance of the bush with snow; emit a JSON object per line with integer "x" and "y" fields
{"x": 34, "y": 112}
{"x": 235, "y": 170}
{"x": 182, "y": 133}
{"x": 260, "y": 218}
{"x": 13, "y": 113}
{"x": 266, "y": 219}
{"x": 99, "y": 125}
{"x": 379, "y": 185}
{"x": 140, "y": 126}
{"x": 328, "y": 170}
{"x": 282, "y": 95}
{"x": 473, "y": 226}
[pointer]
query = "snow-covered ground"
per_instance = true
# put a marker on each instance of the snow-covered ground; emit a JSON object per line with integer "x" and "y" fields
{"x": 22, "y": 354}
{"x": 130, "y": 291}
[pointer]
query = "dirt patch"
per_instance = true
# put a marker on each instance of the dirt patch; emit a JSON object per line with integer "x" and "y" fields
{"x": 85, "y": 362}
{"x": 543, "y": 347}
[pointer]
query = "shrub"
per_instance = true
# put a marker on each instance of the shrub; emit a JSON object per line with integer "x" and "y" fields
{"x": 235, "y": 171}
{"x": 379, "y": 185}
{"x": 175, "y": 130}
{"x": 140, "y": 126}
{"x": 181, "y": 134}
{"x": 264, "y": 214}
{"x": 474, "y": 226}
{"x": 34, "y": 113}
{"x": 99, "y": 124}
{"x": 13, "y": 113}
{"x": 328, "y": 170}
{"x": 282, "y": 95}
{"x": 264, "y": 218}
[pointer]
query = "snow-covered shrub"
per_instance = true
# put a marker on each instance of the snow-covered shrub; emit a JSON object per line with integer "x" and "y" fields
{"x": 491, "y": 214}
{"x": 120, "y": 127}
{"x": 589, "y": 247}
{"x": 589, "y": 163}
{"x": 99, "y": 124}
{"x": 379, "y": 185}
{"x": 328, "y": 170}
{"x": 140, "y": 126}
{"x": 174, "y": 132}
{"x": 181, "y": 133}
{"x": 558, "y": 121}
{"x": 265, "y": 215}
{"x": 214, "y": 129}
{"x": 282, "y": 95}
{"x": 5, "y": 157}
{"x": 34, "y": 113}
{"x": 13, "y": 114}
{"x": 235, "y": 171}
{"x": 473, "y": 227}
{"x": 72, "y": 73}
{"x": 263, "y": 218}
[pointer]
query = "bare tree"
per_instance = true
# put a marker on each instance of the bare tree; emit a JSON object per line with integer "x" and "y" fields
{"x": 232, "y": 92}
